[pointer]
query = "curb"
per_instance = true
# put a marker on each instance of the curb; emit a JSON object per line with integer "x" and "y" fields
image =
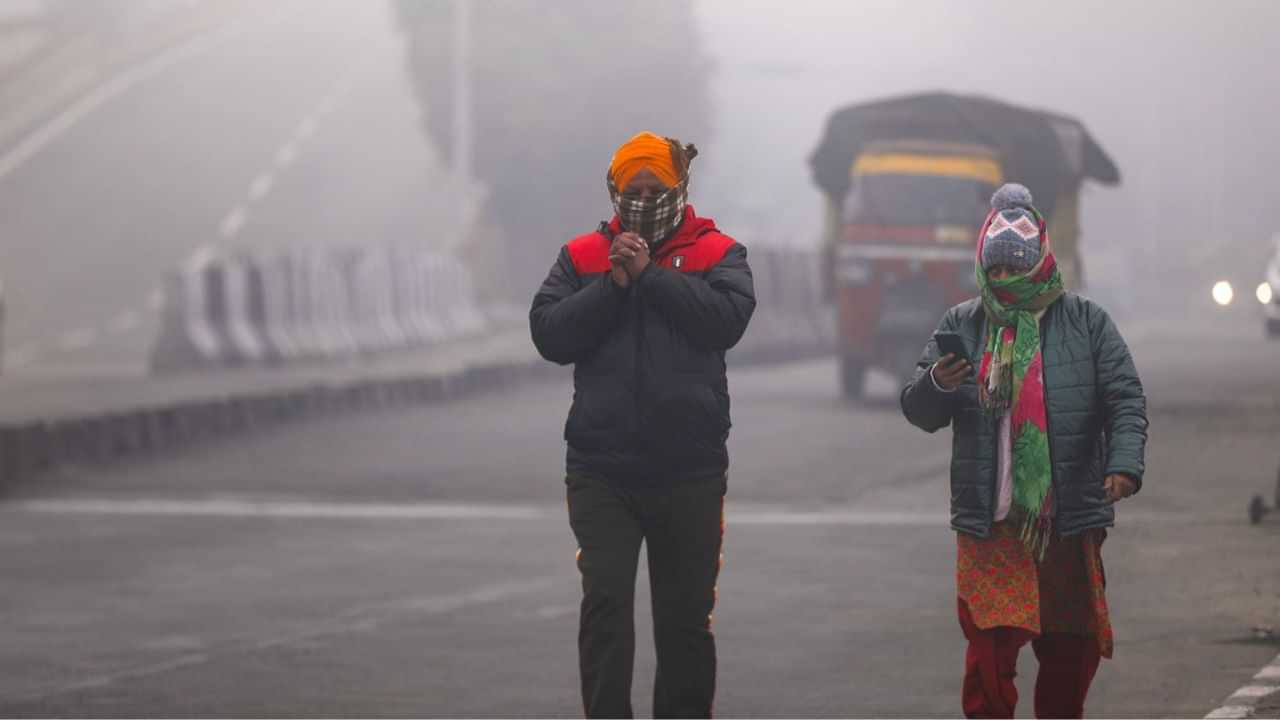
{"x": 1245, "y": 701}
{"x": 32, "y": 448}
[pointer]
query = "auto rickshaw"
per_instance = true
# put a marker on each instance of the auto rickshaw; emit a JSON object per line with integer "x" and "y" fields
{"x": 907, "y": 183}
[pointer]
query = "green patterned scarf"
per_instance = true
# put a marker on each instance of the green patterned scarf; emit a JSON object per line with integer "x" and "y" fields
{"x": 1011, "y": 379}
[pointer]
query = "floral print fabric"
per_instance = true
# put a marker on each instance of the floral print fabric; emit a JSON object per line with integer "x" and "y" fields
{"x": 1002, "y": 585}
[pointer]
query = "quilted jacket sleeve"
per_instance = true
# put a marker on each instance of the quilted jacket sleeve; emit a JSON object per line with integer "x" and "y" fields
{"x": 923, "y": 404}
{"x": 1123, "y": 400}
{"x": 569, "y": 317}
{"x": 711, "y": 311}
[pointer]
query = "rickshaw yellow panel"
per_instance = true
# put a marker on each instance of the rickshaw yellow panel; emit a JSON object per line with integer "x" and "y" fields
{"x": 974, "y": 168}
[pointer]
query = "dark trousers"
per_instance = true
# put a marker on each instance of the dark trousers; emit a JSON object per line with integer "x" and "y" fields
{"x": 1067, "y": 666}
{"x": 682, "y": 526}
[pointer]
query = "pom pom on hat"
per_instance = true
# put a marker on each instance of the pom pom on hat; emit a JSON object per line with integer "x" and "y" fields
{"x": 1011, "y": 196}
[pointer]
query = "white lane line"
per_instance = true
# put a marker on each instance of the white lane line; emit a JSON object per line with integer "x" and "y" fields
{"x": 1230, "y": 712}
{"x": 1242, "y": 702}
{"x": 358, "y": 619}
{"x": 233, "y": 222}
{"x": 22, "y": 356}
{"x": 279, "y": 509}
{"x": 261, "y": 186}
{"x": 327, "y": 105}
{"x": 302, "y": 509}
{"x": 125, "y": 321}
{"x": 1255, "y": 691}
{"x": 286, "y": 155}
{"x": 46, "y": 134}
{"x": 78, "y": 339}
{"x": 865, "y": 518}
{"x": 306, "y": 129}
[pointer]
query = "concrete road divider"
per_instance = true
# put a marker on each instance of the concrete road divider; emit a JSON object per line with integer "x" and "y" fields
{"x": 226, "y": 310}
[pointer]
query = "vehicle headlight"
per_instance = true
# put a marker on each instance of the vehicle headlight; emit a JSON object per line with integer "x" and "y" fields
{"x": 1265, "y": 294}
{"x": 1222, "y": 293}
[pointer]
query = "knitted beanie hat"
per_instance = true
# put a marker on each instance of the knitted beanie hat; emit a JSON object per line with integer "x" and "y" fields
{"x": 1013, "y": 236}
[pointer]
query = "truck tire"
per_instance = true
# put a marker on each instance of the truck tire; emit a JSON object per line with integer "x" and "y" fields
{"x": 853, "y": 373}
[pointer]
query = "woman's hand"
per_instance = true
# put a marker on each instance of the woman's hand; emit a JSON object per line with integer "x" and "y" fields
{"x": 1119, "y": 487}
{"x": 950, "y": 371}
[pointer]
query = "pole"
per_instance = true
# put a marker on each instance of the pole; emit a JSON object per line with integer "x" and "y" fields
{"x": 462, "y": 126}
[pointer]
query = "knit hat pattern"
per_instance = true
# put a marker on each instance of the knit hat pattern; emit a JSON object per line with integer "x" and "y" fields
{"x": 1013, "y": 237}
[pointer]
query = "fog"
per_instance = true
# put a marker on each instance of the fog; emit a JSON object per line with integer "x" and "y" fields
{"x": 275, "y": 438}
{"x": 1182, "y": 95}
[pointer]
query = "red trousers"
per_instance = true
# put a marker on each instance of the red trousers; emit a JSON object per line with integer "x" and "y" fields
{"x": 1067, "y": 666}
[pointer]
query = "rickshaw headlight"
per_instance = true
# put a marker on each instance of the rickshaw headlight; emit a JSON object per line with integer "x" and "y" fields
{"x": 1265, "y": 294}
{"x": 852, "y": 272}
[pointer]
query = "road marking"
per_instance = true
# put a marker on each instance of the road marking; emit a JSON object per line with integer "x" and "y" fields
{"x": 281, "y": 509}
{"x": 261, "y": 186}
{"x": 327, "y": 105}
{"x": 233, "y": 222}
{"x": 46, "y": 134}
{"x": 125, "y": 321}
{"x": 286, "y": 155}
{"x": 22, "y": 355}
{"x": 862, "y": 518}
{"x": 78, "y": 339}
{"x": 301, "y": 509}
{"x": 359, "y": 619}
{"x": 1255, "y": 691}
{"x": 306, "y": 129}
{"x": 1242, "y": 702}
{"x": 1227, "y": 712}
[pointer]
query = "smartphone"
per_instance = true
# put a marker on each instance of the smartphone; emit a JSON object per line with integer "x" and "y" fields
{"x": 950, "y": 343}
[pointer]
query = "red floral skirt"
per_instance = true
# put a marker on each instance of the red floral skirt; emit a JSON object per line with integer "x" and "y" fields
{"x": 1003, "y": 586}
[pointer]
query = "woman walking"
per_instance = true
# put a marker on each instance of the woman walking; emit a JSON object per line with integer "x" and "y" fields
{"x": 1049, "y": 433}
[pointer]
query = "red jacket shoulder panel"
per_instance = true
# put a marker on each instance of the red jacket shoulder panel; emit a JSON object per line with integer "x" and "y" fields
{"x": 589, "y": 253}
{"x": 705, "y": 253}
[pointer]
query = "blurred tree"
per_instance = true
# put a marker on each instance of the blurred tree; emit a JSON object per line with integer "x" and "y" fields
{"x": 555, "y": 88}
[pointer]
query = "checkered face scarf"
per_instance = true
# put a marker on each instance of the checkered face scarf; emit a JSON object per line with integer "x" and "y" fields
{"x": 654, "y": 219}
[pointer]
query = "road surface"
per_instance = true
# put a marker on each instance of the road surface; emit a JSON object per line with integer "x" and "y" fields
{"x": 420, "y": 563}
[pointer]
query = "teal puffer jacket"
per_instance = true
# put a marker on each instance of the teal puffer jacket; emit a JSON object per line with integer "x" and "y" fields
{"x": 1097, "y": 416}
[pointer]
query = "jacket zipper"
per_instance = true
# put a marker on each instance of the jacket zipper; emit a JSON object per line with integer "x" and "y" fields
{"x": 994, "y": 502}
{"x": 639, "y": 335}
{"x": 1048, "y": 424}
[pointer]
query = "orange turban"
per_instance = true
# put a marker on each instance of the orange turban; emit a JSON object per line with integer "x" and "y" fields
{"x": 644, "y": 151}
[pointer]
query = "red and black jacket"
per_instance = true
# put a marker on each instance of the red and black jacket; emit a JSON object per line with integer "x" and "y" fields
{"x": 651, "y": 401}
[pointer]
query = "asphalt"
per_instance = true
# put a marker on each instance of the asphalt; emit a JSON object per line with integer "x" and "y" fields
{"x": 419, "y": 564}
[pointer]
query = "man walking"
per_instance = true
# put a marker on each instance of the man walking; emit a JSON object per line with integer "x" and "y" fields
{"x": 645, "y": 308}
